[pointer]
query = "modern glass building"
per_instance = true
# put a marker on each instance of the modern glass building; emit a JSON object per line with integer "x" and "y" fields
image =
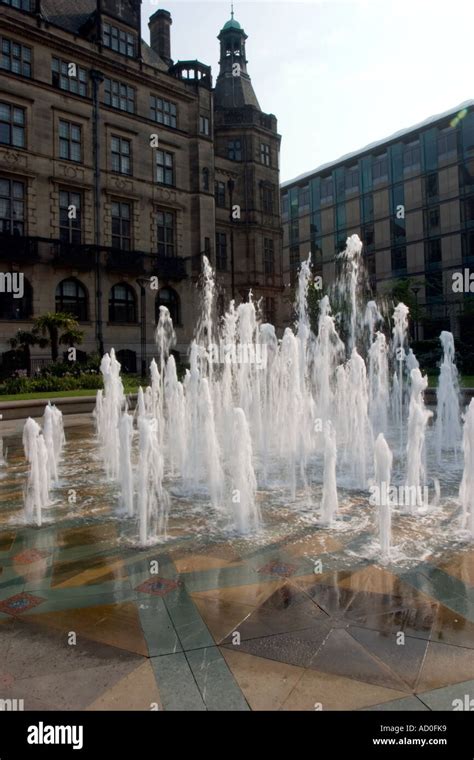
{"x": 410, "y": 198}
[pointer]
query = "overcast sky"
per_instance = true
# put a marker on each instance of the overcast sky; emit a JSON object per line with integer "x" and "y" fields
{"x": 337, "y": 74}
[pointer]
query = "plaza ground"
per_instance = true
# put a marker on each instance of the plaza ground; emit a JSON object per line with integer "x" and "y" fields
{"x": 223, "y": 624}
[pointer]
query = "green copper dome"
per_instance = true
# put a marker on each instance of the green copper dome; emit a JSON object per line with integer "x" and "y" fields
{"x": 231, "y": 24}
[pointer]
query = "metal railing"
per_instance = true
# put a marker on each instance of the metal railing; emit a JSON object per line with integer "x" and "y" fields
{"x": 23, "y": 250}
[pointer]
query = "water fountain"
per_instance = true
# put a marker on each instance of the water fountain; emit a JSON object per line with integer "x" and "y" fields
{"x": 466, "y": 491}
{"x": 330, "y": 502}
{"x": 110, "y": 404}
{"x": 247, "y": 516}
{"x": 258, "y": 420}
{"x": 448, "y": 418}
{"x": 38, "y": 481}
{"x": 2, "y": 453}
{"x": 53, "y": 432}
{"x": 400, "y": 332}
{"x": 418, "y": 417}
{"x": 383, "y": 459}
{"x": 125, "y": 433}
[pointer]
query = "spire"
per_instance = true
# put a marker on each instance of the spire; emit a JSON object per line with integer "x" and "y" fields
{"x": 233, "y": 87}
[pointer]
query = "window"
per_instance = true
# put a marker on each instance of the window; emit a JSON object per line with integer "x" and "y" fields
{"x": 433, "y": 219}
{"x": 164, "y": 168}
{"x": 380, "y": 168}
{"x": 121, "y": 155}
{"x": 169, "y": 298}
{"x": 447, "y": 141}
{"x": 303, "y": 197}
{"x": 467, "y": 244}
{"x": 234, "y": 150}
{"x": 341, "y": 241}
{"x": 70, "y": 217}
{"x": 368, "y": 237}
{"x": 399, "y": 258}
{"x": 294, "y": 231}
{"x": 70, "y": 141}
{"x": 122, "y": 304}
{"x": 220, "y": 305}
{"x": 265, "y": 155}
{"x": 411, "y": 155}
{"x": 397, "y": 230}
{"x": 433, "y": 252}
{"x": 166, "y": 221}
{"x": 284, "y": 204}
{"x": 118, "y": 40}
{"x": 205, "y": 179}
{"x": 12, "y": 207}
{"x": 294, "y": 263}
{"x": 71, "y": 298}
{"x": 467, "y": 211}
{"x": 121, "y": 225}
{"x": 371, "y": 270}
{"x": 268, "y": 257}
{"x": 22, "y": 5}
{"x": 219, "y": 188}
{"x": 434, "y": 286}
{"x": 119, "y": 95}
{"x": 163, "y": 111}
{"x": 15, "y": 58}
{"x": 267, "y": 200}
{"x": 17, "y": 308}
{"x": 12, "y": 125}
{"x": 432, "y": 185}
{"x": 204, "y": 125}
{"x": 368, "y": 208}
{"x": 352, "y": 179}
{"x": 326, "y": 189}
{"x": 270, "y": 310}
{"x": 69, "y": 77}
{"x": 221, "y": 251}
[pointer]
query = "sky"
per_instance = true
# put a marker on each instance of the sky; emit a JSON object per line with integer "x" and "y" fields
{"x": 338, "y": 74}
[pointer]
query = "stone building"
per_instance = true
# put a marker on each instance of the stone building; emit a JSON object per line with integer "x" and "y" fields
{"x": 410, "y": 198}
{"x": 118, "y": 165}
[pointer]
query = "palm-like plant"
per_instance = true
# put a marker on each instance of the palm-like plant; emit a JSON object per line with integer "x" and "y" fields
{"x": 24, "y": 341}
{"x": 60, "y": 328}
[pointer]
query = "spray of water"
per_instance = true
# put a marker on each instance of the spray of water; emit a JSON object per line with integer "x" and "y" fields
{"x": 383, "y": 459}
{"x": 38, "y": 479}
{"x": 448, "y": 417}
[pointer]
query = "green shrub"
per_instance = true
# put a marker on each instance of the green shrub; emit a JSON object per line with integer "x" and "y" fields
{"x": 50, "y": 384}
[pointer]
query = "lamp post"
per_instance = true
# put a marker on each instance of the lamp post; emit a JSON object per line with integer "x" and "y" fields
{"x": 415, "y": 290}
{"x": 141, "y": 282}
{"x": 230, "y": 187}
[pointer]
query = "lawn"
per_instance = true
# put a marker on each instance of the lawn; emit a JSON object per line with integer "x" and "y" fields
{"x": 467, "y": 381}
{"x": 130, "y": 387}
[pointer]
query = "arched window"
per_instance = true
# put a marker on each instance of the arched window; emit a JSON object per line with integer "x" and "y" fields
{"x": 220, "y": 305}
{"x": 122, "y": 304}
{"x": 17, "y": 308}
{"x": 128, "y": 360}
{"x": 71, "y": 298}
{"x": 169, "y": 298}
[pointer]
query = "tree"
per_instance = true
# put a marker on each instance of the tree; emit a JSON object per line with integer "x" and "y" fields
{"x": 24, "y": 341}
{"x": 60, "y": 328}
{"x": 402, "y": 291}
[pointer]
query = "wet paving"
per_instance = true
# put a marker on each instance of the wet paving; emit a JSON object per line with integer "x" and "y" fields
{"x": 296, "y": 618}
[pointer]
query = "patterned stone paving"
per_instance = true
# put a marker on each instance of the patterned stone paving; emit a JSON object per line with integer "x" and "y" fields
{"x": 86, "y": 624}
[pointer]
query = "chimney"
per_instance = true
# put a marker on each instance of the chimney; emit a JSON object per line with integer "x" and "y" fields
{"x": 160, "y": 41}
